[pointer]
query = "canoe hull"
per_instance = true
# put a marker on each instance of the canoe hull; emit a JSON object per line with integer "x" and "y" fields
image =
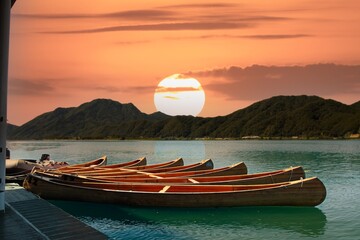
{"x": 308, "y": 192}
{"x": 134, "y": 163}
{"x": 94, "y": 163}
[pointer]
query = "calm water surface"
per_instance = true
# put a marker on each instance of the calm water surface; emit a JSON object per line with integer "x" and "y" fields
{"x": 336, "y": 163}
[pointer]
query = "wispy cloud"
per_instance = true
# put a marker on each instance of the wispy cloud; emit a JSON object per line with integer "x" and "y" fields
{"x": 177, "y": 89}
{"x": 258, "y": 82}
{"x": 141, "y": 89}
{"x": 134, "y": 15}
{"x": 205, "y": 5}
{"x": 111, "y": 88}
{"x": 31, "y": 87}
{"x": 212, "y": 16}
{"x": 171, "y": 97}
{"x": 49, "y": 86}
{"x": 276, "y": 36}
{"x": 162, "y": 27}
{"x": 223, "y": 36}
{"x": 258, "y": 37}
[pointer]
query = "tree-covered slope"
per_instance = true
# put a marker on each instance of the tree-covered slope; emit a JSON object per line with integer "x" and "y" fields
{"x": 281, "y": 116}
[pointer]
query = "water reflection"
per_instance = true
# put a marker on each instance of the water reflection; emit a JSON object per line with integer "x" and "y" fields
{"x": 190, "y": 151}
{"x": 178, "y": 223}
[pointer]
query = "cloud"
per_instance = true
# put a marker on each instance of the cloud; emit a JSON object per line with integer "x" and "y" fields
{"x": 178, "y": 89}
{"x": 276, "y": 36}
{"x": 141, "y": 15}
{"x": 256, "y": 37}
{"x": 142, "y": 89}
{"x": 236, "y": 17}
{"x": 212, "y": 16}
{"x": 134, "y": 15}
{"x": 48, "y": 87}
{"x": 162, "y": 27}
{"x": 205, "y": 5}
{"x": 114, "y": 88}
{"x": 147, "y": 15}
{"x": 171, "y": 97}
{"x": 258, "y": 82}
{"x": 29, "y": 87}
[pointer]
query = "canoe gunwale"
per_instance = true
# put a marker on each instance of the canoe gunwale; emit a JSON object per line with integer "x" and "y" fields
{"x": 137, "y": 162}
{"x": 98, "y": 162}
{"x": 305, "y": 192}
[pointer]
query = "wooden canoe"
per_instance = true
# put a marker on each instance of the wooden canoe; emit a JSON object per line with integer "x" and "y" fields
{"x": 172, "y": 163}
{"x": 236, "y": 169}
{"x": 304, "y": 192}
{"x": 203, "y": 165}
{"x": 97, "y": 162}
{"x": 137, "y": 162}
{"x": 284, "y": 175}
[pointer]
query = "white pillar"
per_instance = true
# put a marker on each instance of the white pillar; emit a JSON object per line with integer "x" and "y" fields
{"x": 5, "y": 6}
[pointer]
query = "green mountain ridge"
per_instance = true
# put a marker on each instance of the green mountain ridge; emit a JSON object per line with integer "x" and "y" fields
{"x": 356, "y": 105}
{"x": 276, "y": 117}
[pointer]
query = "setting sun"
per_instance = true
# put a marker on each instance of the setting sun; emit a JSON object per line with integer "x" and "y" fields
{"x": 179, "y": 95}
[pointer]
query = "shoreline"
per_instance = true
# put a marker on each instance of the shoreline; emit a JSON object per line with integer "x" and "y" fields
{"x": 196, "y": 139}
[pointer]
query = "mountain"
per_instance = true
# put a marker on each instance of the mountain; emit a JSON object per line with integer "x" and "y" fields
{"x": 277, "y": 117}
{"x": 10, "y": 129}
{"x": 356, "y": 105}
{"x": 84, "y": 121}
{"x": 286, "y": 116}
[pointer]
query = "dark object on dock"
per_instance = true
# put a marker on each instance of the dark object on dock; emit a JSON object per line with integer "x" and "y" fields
{"x": 7, "y": 153}
{"x": 17, "y": 169}
{"x": 45, "y": 157}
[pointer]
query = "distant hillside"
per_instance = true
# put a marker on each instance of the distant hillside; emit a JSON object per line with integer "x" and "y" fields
{"x": 85, "y": 121}
{"x": 277, "y": 117}
{"x": 10, "y": 129}
{"x": 356, "y": 105}
{"x": 286, "y": 116}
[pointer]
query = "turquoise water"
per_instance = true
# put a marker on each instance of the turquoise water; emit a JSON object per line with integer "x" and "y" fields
{"x": 336, "y": 163}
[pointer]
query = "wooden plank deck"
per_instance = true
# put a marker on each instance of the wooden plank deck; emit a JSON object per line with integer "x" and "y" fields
{"x": 29, "y": 217}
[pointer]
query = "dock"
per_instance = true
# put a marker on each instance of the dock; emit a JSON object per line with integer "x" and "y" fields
{"x": 29, "y": 217}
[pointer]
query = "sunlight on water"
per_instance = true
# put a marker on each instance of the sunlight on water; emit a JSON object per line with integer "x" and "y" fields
{"x": 336, "y": 163}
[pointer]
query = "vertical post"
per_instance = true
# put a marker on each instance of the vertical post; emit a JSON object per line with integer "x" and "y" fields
{"x": 5, "y": 6}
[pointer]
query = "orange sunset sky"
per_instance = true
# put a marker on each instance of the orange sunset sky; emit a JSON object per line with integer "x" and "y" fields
{"x": 64, "y": 52}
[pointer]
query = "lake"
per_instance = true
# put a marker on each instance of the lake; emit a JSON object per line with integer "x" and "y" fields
{"x": 336, "y": 163}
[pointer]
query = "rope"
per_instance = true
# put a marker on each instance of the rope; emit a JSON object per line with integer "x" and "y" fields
{"x": 272, "y": 179}
{"x": 292, "y": 170}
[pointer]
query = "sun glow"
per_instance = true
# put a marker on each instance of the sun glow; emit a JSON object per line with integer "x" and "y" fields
{"x": 179, "y": 95}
